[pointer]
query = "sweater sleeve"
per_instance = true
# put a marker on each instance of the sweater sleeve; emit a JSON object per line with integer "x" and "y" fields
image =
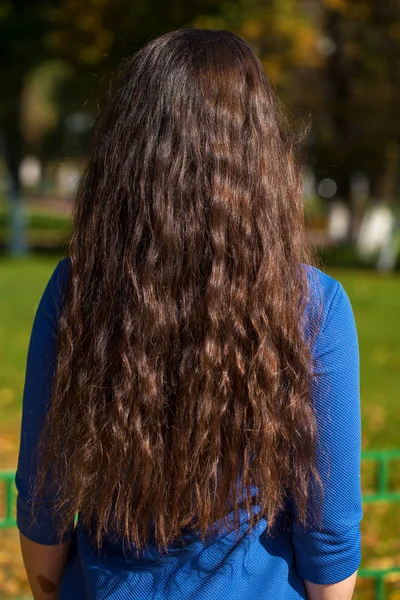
{"x": 39, "y": 374}
{"x": 332, "y": 552}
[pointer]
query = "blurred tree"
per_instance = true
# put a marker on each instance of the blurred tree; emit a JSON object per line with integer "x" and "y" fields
{"x": 281, "y": 32}
{"x": 88, "y": 39}
{"x": 21, "y": 30}
{"x": 337, "y": 60}
{"x": 103, "y": 32}
{"x": 362, "y": 77}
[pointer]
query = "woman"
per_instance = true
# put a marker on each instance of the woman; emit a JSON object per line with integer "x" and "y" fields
{"x": 192, "y": 382}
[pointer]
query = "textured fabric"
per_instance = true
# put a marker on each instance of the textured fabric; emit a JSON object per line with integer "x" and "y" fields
{"x": 254, "y": 566}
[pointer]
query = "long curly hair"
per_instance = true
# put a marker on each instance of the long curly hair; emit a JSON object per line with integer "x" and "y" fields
{"x": 181, "y": 392}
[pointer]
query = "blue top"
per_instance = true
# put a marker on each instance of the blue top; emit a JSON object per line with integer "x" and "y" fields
{"x": 256, "y": 567}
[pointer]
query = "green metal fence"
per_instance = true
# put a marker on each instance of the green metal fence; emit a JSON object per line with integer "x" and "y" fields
{"x": 382, "y": 493}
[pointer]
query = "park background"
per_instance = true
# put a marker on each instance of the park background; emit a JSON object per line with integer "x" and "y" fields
{"x": 336, "y": 67}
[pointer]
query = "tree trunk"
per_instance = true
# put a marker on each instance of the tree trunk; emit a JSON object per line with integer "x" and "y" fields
{"x": 13, "y": 139}
{"x": 338, "y": 74}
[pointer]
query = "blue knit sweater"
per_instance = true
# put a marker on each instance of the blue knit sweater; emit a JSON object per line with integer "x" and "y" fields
{"x": 256, "y": 566}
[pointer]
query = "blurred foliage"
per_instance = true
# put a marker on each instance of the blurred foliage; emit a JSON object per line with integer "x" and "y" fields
{"x": 347, "y": 256}
{"x": 336, "y": 60}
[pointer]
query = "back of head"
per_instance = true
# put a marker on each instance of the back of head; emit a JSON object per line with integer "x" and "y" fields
{"x": 183, "y": 374}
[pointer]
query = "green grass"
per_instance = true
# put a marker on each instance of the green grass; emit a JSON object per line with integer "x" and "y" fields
{"x": 375, "y": 300}
{"x": 22, "y": 282}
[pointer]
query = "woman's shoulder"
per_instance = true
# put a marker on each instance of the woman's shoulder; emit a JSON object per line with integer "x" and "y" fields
{"x": 54, "y": 293}
{"x": 62, "y": 269}
{"x": 60, "y": 275}
{"x": 326, "y": 294}
{"x": 320, "y": 282}
{"x": 329, "y": 307}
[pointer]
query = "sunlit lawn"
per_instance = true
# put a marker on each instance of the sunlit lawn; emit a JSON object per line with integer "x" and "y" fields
{"x": 376, "y": 303}
{"x": 375, "y": 299}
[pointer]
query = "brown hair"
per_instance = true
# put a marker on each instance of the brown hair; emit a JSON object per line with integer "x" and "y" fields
{"x": 183, "y": 372}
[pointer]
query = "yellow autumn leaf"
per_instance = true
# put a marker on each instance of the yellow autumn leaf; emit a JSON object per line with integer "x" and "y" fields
{"x": 339, "y": 5}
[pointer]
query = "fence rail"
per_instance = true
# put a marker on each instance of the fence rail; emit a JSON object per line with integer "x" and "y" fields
{"x": 382, "y": 493}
